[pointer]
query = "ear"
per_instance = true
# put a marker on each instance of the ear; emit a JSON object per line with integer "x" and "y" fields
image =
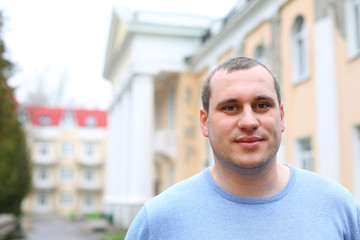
{"x": 282, "y": 112}
{"x": 203, "y": 122}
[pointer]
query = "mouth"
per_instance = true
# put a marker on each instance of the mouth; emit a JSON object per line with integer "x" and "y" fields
{"x": 249, "y": 142}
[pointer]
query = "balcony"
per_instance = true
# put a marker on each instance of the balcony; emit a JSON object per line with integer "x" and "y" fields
{"x": 90, "y": 186}
{"x": 45, "y": 133}
{"x": 43, "y": 185}
{"x": 165, "y": 143}
{"x": 44, "y": 160}
{"x": 90, "y": 161}
{"x": 95, "y": 135}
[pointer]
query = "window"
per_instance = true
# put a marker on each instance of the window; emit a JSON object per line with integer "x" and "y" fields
{"x": 45, "y": 120}
{"x": 304, "y": 156}
{"x": 66, "y": 174}
{"x": 353, "y": 27}
{"x": 299, "y": 51}
{"x": 158, "y": 109}
{"x": 89, "y": 175}
{"x": 259, "y": 53}
{"x": 90, "y": 121}
{"x": 67, "y": 149}
{"x": 357, "y": 23}
{"x": 43, "y": 174}
{"x": 88, "y": 200}
{"x": 66, "y": 199}
{"x": 43, "y": 148}
{"x": 172, "y": 106}
{"x": 90, "y": 150}
{"x": 356, "y": 147}
{"x": 42, "y": 199}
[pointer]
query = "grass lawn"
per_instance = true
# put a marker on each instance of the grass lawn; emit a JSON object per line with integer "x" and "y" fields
{"x": 118, "y": 234}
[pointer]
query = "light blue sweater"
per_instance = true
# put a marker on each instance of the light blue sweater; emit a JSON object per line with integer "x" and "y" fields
{"x": 310, "y": 207}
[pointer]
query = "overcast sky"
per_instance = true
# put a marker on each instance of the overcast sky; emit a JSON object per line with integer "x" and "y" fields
{"x": 66, "y": 40}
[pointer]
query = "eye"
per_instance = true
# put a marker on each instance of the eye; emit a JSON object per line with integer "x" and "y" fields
{"x": 262, "y": 106}
{"x": 230, "y": 108}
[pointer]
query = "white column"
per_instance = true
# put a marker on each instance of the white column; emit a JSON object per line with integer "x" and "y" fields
{"x": 124, "y": 144}
{"x": 113, "y": 165}
{"x": 326, "y": 99}
{"x": 141, "y": 141}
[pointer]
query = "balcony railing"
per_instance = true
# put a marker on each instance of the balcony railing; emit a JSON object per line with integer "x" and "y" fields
{"x": 90, "y": 186}
{"x": 90, "y": 161}
{"x": 44, "y": 184}
{"x": 45, "y": 133}
{"x": 44, "y": 160}
{"x": 165, "y": 143}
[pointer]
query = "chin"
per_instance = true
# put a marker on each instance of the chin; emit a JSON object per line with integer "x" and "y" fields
{"x": 251, "y": 165}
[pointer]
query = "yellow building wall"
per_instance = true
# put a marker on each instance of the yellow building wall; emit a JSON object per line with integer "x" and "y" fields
{"x": 164, "y": 167}
{"x": 299, "y": 99}
{"x": 348, "y": 86}
{"x": 190, "y": 159}
{"x": 228, "y": 54}
{"x": 260, "y": 35}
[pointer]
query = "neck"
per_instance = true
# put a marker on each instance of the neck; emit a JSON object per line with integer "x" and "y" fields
{"x": 259, "y": 183}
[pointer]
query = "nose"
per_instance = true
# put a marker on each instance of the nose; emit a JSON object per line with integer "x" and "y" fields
{"x": 248, "y": 119}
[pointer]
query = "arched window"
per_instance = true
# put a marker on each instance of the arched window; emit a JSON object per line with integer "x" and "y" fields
{"x": 352, "y": 18}
{"x": 299, "y": 50}
{"x": 259, "y": 53}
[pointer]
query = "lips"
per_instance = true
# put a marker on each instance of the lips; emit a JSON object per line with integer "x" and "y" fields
{"x": 249, "y": 142}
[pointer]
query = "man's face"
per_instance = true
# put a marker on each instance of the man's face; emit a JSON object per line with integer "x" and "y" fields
{"x": 244, "y": 122}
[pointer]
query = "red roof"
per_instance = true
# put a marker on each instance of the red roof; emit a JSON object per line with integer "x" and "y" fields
{"x": 83, "y": 117}
{"x": 36, "y": 113}
{"x": 52, "y": 116}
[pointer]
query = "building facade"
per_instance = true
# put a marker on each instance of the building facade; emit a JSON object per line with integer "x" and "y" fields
{"x": 68, "y": 152}
{"x": 311, "y": 45}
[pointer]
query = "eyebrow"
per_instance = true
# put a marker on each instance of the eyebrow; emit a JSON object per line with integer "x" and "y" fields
{"x": 265, "y": 98}
{"x": 234, "y": 100}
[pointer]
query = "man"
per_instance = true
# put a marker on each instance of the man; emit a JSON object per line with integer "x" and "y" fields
{"x": 247, "y": 194}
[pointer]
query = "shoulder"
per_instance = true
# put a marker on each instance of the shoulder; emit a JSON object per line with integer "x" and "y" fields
{"x": 320, "y": 187}
{"x": 178, "y": 194}
{"x": 327, "y": 199}
{"x": 160, "y": 214}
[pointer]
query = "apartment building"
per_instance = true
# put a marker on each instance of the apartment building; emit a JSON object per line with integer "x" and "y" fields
{"x": 68, "y": 152}
{"x": 313, "y": 46}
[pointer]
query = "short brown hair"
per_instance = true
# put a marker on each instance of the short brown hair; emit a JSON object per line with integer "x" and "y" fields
{"x": 234, "y": 64}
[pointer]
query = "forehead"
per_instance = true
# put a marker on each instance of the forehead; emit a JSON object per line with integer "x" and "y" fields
{"x": 255, "y": 80}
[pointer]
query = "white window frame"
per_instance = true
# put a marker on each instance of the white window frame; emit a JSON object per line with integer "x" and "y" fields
{"x": 90, "y": 121}
{"x": 259, "y": 53}
{"x": 45, "y": 120}
{"x": 89, "y": 201}
{"x": 90, "y": 150}
{"x": 43, "y": 149}
{"x": 42, "y": 199}
{"x": 43, "y": 174}
{"x": 304, "y": 154}
{"x": 352, "y": 18}
{"x": 67, "y": 149}
{"x": 66, "y": 174}
{"x": 159, "y": 112}
{"x": 66, "y": 199}
{"x": 356, "y": 160}
{"x": 172, "y": 107}
{"x": 89, "y": 175}
{"x": 299, "y": 45}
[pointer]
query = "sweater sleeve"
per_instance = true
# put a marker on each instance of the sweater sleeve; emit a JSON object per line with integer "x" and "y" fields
{"x": 357, "y": 232}
{"x": 139, "y": 228}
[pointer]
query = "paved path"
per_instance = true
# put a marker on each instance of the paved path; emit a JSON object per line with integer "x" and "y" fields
{"x": 51, "y": 227}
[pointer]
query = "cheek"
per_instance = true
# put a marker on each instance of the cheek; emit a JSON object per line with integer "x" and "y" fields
{"x": 273, "y": 125}
{"x": 221, "y": 126}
